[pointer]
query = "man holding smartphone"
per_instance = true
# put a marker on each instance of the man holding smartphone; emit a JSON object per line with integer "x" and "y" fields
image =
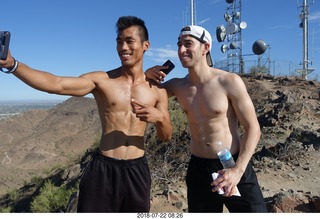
{"x": 117, "y": 179}
{"x": 214, "y": 102}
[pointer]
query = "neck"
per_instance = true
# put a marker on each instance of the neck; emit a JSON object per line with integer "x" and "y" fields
{"x": 133, "y": 73}
{"x": 199, "y": 74}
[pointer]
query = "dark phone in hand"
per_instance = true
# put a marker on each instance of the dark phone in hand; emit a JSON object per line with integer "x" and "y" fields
{"x": 4, "y": 44}
{"x": 170, "y": 67}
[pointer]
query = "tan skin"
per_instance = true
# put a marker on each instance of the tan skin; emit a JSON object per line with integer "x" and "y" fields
{"x": 214, "y": 102}
{"x": 126, "y": 100}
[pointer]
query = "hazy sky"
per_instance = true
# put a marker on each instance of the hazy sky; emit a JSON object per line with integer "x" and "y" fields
{"x": 72, "y": 37}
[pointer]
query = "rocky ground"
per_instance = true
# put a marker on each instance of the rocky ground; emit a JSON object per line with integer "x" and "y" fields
{"x": 288, "y": 110}
{"x": 286, "y": 188}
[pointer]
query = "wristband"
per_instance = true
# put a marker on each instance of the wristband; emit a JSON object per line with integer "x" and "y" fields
{"x": 13, "y": 69}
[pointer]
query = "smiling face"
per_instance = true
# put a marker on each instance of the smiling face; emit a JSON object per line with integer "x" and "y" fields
{"x": 130, "y": 46}
{"x": 189, "y": 50}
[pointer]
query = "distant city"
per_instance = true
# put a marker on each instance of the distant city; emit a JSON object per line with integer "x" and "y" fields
{"x": 11, "y": 108}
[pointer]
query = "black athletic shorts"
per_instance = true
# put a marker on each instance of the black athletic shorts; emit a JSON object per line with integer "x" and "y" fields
{"x": 202, "y": 199}
{"x": 112, "y": 185}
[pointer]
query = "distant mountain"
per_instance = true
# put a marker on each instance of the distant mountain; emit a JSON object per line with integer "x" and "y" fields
{"x": 39, "y": 140}
{"x": 10, "y": 108}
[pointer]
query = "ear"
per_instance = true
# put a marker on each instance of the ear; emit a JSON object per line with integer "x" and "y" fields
{"x": 146, "y": 45}
{"x": 206, "y": 48}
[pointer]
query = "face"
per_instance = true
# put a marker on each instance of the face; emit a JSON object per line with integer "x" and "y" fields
{"x": 190, "y": 51}
{"x": 129, "y": 46}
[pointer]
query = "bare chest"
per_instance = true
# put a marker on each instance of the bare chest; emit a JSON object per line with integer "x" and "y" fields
{"x": 203, "y": 101}
{"x": 117, "y": 96}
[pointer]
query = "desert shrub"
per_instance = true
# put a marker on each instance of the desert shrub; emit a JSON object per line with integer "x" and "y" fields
{"x": 51, "y": 198}
{"x": 168, "y": 160}
{"x": 6, "y": 210}
{"x": 14, "y": 195}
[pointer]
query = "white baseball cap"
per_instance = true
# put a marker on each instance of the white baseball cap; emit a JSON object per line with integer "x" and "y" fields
{"x": 200, "y": 34}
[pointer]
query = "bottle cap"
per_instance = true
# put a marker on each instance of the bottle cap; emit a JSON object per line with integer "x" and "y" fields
{"x": 224, "y": 155}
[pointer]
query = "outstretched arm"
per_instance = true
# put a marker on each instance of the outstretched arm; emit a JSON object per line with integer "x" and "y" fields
{"x": 47, "y": 82}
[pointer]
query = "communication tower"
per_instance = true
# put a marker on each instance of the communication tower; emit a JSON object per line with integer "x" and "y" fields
{"x": 304, "y": 16}
{"x": 231, "y": 34}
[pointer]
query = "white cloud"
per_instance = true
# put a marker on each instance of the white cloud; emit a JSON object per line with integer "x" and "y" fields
{"x": 314, "y": 16}
{"x": 162, "y": 54}
{"x": 203, "y": 21}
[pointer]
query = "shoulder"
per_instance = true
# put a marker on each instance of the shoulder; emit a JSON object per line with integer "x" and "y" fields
{"x": 115, "y": 73}
{"x": 153, "y": 85}
{"x": 102, "y": 74}
{"x": 94, "y": 74}
{"x": 174, "y": 82}
{"x": 228, "y": 78}
{"x": 232, "y": 83}
{"x": 156, "y": 90}
{"x": 235, "y": 86}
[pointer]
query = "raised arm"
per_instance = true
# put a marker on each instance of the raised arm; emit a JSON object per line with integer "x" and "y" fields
{"x": 47, "y": 82}
{"x": 157, "y": 75}
{"x": 154, "y": 73}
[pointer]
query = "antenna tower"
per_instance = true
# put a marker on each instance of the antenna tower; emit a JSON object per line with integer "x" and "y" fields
{"x": 304, "y": 16}
{"x": 192, "y": 11}
{"x": 231, "y": 34}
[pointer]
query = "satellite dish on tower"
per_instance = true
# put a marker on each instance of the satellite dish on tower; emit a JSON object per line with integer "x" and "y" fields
{"x": 243, "y": 25}
{"x": 233, "y": 45}
{"x": 224, "y": 48}
{"x": 221, "y": 33}
{"x": 259, "y": 47}
{"x": 229, "y": 1}
{"x": 231, "y": 28}
{"x": 237, "y": 15}
{"x": 227, "y": 17}
{"x": 301, "y": 25}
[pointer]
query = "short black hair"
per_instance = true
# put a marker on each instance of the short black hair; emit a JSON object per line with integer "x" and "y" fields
{"x": 125, "y": 22}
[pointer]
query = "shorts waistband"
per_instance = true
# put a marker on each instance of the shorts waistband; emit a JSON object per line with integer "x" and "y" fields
{"x": 98, "y": 155}
{"x": 200, "y": 159}
{"x": 209, "y": 160}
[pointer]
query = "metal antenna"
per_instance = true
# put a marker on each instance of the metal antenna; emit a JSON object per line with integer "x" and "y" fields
{"x": 304, "y": 16}
{"x": 192, "y": 11}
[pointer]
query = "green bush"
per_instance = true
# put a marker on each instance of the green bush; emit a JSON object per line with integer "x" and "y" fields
{"x": 6, "y": 210}
{"x": 51, "y": 198}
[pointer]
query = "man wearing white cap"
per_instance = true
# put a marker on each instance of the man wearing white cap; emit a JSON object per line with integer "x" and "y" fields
{"x": 214, "y": 102}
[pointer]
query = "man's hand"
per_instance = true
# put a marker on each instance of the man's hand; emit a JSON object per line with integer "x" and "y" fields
{"x": 145, "y": 112}
{"x": 155, "y": 73}
{"x": 8, "y": 63}
{"x": 227, "y": 181}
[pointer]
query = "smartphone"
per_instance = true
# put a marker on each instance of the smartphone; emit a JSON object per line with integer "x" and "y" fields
{"x": 170, "y": 67}
{"x": 4, "y": 44}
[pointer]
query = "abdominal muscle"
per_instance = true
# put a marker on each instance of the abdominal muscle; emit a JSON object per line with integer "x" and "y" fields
{"x": 206, "y": 135}
{"x": 123, "y": 137}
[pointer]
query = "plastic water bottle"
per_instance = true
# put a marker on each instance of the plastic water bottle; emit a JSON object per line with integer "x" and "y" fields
{"x": 226, "y": 158}
{"x": 227, "y": 161}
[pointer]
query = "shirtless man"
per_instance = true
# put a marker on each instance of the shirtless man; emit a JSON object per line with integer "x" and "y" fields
{"x": 214, "y": 101}
{"x": 117, "y": 179}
